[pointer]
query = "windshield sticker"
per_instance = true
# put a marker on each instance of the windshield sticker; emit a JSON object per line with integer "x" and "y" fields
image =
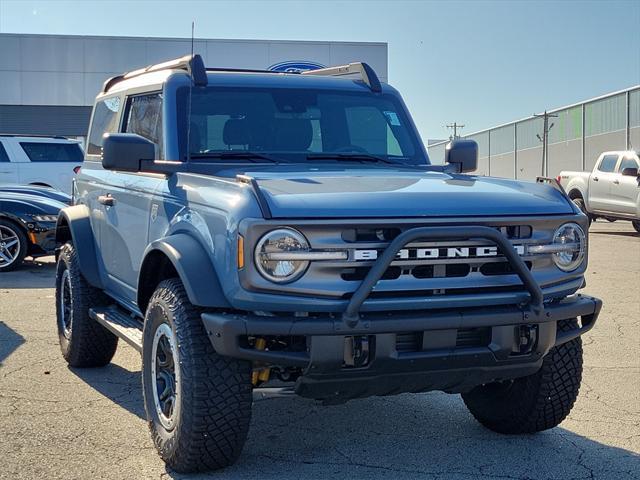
{"x": 392, "y": 118}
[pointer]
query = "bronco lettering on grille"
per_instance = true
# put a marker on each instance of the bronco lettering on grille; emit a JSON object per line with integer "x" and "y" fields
{"x": 436, "y": 253}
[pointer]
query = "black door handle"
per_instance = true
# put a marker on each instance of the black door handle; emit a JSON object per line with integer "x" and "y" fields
{"x": 617, "y": 182}
{"x": 107, "y": 200}
{"x": 595, "y": 179}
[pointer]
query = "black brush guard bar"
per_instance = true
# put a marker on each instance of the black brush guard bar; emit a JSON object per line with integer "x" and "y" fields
{"x": 351, "y": 315}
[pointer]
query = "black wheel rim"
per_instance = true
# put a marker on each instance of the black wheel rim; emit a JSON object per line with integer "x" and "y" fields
{"x": 165, "y": 376}
{"x": 66, "y": 316}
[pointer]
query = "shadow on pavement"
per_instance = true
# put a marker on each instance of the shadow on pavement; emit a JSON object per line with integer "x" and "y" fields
{"x": 31, "y": 274}
{"x": 618, "y": 234}
{"x": 9, "y": 341}
{"x": 410, "y": 436}
{"x": 122, "y": 386}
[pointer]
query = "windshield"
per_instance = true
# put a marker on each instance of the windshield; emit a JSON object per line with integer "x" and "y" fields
{"x": 295, "y": 125}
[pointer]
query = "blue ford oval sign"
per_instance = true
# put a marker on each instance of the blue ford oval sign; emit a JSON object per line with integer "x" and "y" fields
{"x": 295, "y": 66}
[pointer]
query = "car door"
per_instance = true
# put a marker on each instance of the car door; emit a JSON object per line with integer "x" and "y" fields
{"x": 600, "y": 182}
{"x": 127, "y": 212}
{"x": 625, "y": 190}
{"x": 8, "y": 169}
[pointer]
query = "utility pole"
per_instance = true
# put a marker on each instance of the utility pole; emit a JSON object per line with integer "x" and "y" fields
{"x": 455, "y": 126}
{"x": 545, "y": 139}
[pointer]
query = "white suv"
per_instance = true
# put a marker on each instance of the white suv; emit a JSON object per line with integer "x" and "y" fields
{"x": 48, "y": 161}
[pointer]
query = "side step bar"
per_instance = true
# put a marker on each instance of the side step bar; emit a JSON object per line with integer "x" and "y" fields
{"x": 120, "y": 324}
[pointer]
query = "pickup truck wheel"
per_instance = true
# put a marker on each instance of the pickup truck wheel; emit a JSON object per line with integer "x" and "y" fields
{"x": 83, "y": 341}
{"x": 580, "y": 204}
{"x": 13, "y": 246}
{"x": 534, "y": 403}
{"x": 636, "y": 225}
{"x": 198, "y": 403}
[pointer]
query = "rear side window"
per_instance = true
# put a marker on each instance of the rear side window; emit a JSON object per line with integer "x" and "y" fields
{"x": 105, "y": 119}
{"x": 144, "y": 117}
{"x": 608, "y": 163}
{"x": 52, "y": 152}
{"x": 3, "y": 154}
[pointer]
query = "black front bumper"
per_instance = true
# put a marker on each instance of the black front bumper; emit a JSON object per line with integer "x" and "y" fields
{"x": 389, "y": 371}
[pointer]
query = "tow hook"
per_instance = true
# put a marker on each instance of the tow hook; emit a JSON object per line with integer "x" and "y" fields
{"x": 260, "y": 374}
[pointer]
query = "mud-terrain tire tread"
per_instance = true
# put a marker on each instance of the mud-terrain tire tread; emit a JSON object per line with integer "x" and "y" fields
{"x": 24, "y": 245}
{"x": 537, "y": 402}
{"x": 216, "y": 392}
{"x": 91, "y": 345}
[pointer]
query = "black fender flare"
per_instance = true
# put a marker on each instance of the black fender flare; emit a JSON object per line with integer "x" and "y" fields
{"x": 194, "y": 267}
{"x": 74, "y": 223}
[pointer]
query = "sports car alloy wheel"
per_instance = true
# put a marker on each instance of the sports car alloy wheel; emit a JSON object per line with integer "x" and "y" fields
{"x": 9, "y": 246}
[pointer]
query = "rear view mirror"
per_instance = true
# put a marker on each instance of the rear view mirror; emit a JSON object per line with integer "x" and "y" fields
{"x": 125, "y": 151}
{"x": 463, "y": 153}
{"x": 630, "y": 172}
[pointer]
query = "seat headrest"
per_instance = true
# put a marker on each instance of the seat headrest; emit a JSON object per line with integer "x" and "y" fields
{"x": 292, "y": 134}
{"x": 235, "y": 132}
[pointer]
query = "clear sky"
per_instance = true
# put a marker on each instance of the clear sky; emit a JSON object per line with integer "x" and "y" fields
{"x": 480, "y": 63}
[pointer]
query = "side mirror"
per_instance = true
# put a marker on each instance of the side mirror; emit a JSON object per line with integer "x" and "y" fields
{"x": 125, "y": 151}
{"x": 630, "y": 172}
{"x": 463, "y": 153}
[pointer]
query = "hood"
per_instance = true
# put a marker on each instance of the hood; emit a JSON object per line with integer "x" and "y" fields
{"x": 38, "y": 191}
{"x": 400, "y": 193}
{"x": 16, "y": 203}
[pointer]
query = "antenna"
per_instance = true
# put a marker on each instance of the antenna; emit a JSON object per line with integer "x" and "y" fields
{"x": 189, "y": 104}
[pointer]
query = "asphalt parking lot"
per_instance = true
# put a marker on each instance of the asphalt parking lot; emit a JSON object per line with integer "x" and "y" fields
{"x": 57, "y": 422}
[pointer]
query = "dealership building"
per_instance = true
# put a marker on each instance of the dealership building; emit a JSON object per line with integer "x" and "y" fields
{"x": 578, "y": 134}
{"x": 48, "y": 82}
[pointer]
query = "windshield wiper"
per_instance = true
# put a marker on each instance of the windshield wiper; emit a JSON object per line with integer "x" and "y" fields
{"x": 363, "y": 157}
{"x": 234, "y": 155}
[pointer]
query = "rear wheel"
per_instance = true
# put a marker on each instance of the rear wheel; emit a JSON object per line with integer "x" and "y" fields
{"x": 83, "y": 341}
{"x": 537, "y": 402}
{"x": 13, "y": 246}
{"x": 198, "y": 403}
{"x": 580, "y": 204}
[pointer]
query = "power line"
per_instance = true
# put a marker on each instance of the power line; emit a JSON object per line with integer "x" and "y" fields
{"x": 455, "y": 126}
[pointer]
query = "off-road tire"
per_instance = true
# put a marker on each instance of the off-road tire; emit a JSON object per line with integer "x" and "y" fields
{"x": 636, "y": 225}
{"x": 89, "y": 343}
{"x": 215, "y": 393}
{"x": 579, "y": 202}
{"x": 22, "y": 242}
{"x": 537, "y": 402}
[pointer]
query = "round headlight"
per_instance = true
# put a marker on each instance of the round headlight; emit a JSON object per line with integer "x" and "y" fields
{"x": 271, "y": 255}
{"x": 571, "y": 246}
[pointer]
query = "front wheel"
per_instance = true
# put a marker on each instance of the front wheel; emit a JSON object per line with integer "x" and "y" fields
{"x": 636, "y": 225}
{"x": 534, "y": 403}
{"x": 13, "y": 246}
{"x": 198, "y": 403}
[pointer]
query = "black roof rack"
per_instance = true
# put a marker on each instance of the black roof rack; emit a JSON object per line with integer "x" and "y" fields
{"x": 192, "y": 64}
{"x": 367, "y": 73}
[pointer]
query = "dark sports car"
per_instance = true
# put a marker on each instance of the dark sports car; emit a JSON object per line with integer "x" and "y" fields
{"x": 28, "y": 216}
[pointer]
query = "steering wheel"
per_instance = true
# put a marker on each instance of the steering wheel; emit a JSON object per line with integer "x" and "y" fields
{"x": 350, "y": 149}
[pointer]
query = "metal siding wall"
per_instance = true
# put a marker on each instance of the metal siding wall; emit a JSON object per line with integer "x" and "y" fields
{"x": 529, "y": 161}
{"x": 436, "y": 154}
{"x": 564, "y": 156}
{"x": 596, "y": 144}
{"x": 503, "y": 165}
{"x": 44, "y": 120}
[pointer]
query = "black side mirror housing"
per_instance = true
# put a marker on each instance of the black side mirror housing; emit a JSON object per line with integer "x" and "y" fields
{"x": 463, "y": 153}
{"x": 126, "y": 151}
{"x": 630, "y": 172}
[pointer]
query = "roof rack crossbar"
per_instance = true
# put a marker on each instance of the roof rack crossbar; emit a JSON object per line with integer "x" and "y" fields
{"x": 367, "y": 73}
{"x": 192, "y": 64}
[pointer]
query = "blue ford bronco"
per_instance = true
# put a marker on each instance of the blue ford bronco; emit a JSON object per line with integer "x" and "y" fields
{"x": 260, "y": 233}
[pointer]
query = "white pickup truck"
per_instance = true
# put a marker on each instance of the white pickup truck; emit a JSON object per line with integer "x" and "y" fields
{"x": 610, "y": 191}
